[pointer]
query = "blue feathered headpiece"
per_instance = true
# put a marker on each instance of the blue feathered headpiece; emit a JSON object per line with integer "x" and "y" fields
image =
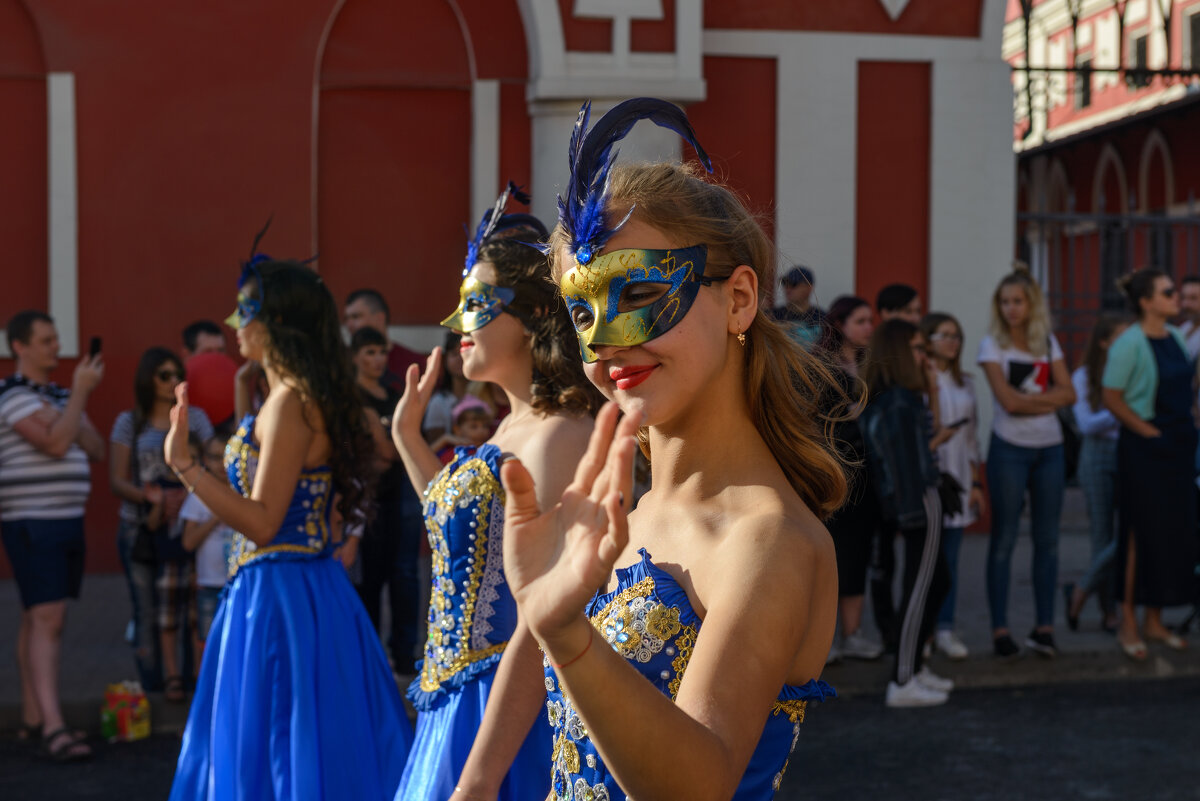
{"x": 592, "y": 155}
{"x": 495, "y": 221}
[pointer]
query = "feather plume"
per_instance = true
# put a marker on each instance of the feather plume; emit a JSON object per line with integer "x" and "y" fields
{"x": 495, "y": 220}
{"x": 592, "y": 154}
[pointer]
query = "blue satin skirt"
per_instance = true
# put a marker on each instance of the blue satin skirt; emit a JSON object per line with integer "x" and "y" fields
{"x": 295, "y": 699}
{"x": 445, "y": 735}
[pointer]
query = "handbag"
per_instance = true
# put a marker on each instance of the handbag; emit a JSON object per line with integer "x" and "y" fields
{"x": 950, "y": 493}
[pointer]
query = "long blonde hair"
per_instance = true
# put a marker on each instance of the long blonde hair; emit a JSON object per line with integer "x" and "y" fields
{"x": 1037, "y": 325}
{"x": 785, "y": 385}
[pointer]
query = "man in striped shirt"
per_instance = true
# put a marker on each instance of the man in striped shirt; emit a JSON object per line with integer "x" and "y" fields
{"x": 46, "y": 441}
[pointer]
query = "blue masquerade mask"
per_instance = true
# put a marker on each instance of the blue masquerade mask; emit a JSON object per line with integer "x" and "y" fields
{"x": 248, "y": 307}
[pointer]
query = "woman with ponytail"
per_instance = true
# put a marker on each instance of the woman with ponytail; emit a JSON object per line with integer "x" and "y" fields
{"x": 1148, "y": 387}
{"x": 684, "y": 640}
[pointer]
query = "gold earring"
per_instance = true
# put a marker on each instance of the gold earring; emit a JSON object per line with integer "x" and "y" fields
{"x": 741, "y": 339}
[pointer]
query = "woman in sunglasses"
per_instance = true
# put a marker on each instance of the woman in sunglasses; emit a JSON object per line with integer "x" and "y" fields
{"x": 1147, "y": 385}
{"x": 138, "y": 475}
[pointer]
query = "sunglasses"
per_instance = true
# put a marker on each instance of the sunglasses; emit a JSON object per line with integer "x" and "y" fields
{"x": 167, "y": 375}
{"x": 1169, "y": 292}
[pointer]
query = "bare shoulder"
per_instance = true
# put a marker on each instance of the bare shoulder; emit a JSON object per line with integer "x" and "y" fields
{"x": 778, "y": 541}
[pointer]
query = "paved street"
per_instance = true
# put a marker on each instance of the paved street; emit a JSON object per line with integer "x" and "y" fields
{"x": 1089, "y": 724}
{"x": 1112, "y": 740}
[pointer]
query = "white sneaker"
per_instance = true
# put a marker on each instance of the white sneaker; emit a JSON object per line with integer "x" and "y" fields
{"x": 933, "y": 681}
{"x": 949, "y": 644}
{"x": 835, "y": 653}
{"x": 912, "y": 694}
{"x": 859, "y": 646}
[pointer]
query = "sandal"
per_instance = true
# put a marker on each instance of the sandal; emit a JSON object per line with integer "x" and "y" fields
{"x": 61, "y": 745}
{"x": 1171, "y": 640}
{"x": 1134, "y": 650}
{"x": 174, "y": 691}
{"x": 32, "y": 732}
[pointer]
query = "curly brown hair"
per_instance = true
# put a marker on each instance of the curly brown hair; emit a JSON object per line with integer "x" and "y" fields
{"x": 559, "y": 384}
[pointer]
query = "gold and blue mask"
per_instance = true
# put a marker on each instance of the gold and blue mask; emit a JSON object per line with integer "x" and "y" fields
{"x": 248, "y": 307}
{"x": 478, "y": 305}
{"x": 629, "y": 297}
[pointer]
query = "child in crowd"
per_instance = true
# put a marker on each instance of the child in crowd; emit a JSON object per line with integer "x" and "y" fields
{"x": 472, "y": 427}
{"x": 211, "y": 541}
{"x": 174, "y": 580}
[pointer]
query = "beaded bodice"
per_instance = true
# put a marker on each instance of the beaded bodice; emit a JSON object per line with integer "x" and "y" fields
{"x": 649, "y": 621}
{"x": 304, "y": 532}
{"x": 471, "y": 612}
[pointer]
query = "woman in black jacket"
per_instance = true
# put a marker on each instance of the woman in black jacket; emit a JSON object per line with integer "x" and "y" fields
{"x": 896, "y": 428}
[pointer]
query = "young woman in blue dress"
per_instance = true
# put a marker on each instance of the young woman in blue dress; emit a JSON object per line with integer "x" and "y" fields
{"x": 295, "y": 698}
{"x": 481, "y": 679}
{"x": 684, "y": 673}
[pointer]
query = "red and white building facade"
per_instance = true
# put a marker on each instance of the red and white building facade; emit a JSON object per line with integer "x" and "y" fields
{"x": 1108, "y": 162}
{"x": 147, "y": 142}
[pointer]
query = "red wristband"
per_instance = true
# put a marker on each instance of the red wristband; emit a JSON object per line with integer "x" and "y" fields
{"x": 568, "y": 663}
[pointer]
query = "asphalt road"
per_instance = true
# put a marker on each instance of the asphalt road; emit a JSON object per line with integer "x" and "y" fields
{"x": 1113, "y": 740}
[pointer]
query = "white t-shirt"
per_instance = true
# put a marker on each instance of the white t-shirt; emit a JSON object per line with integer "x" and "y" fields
{"x": 1031, "y": 375}
{"x": 212, "y": 557}
{"x": 33, "y": 484}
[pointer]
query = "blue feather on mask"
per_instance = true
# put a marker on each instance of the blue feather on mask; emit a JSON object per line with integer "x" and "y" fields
{"x": 495, "y": 221}
{"x": 592, "y": 155}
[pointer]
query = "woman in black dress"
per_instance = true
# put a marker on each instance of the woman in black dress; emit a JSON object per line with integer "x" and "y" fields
{"x": 1148, "y": 387}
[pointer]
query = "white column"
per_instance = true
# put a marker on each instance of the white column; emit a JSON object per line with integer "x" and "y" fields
{"x": 486, "y": 181}
{"x": 63, "y": 218}
{"x": 971, "y": 201}
{"x": 815, "y": 157}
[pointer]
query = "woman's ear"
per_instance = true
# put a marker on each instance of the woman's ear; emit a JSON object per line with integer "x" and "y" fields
{"x": 741, "y": 289}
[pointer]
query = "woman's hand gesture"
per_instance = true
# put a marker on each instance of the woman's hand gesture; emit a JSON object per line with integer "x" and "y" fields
{"x": 418, "y": 389}
{"x": 175, "y": 446}
{"x": 555, "y": 560}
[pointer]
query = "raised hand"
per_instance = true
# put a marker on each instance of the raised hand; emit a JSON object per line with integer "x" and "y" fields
{"x": 555, "y": 560}
{"x": 175, "y": 445}
{"x": 88, "y": 373}
{"x": 418, "y": 389}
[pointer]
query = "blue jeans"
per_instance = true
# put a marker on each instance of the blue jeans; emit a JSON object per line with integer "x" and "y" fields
{"x": 146, "y": 647}
{"x": 951, "y": 545}
{"x": 1098, "y": 478}
{"x": 1011, "y": 470}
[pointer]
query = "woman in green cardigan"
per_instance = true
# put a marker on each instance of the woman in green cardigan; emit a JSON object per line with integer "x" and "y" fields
{"x": 1148, "y": 387}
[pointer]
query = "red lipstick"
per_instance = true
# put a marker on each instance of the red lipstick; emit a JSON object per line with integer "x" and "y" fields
{"x": 630, "y": 377}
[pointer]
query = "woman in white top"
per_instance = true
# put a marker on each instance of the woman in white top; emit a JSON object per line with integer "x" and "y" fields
{"x": 1029, "y": 379}
{"x": 1097, "y": 472}
{"x": 957, "y": 446}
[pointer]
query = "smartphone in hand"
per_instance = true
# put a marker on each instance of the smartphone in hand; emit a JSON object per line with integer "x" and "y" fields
{"x": 94, "y": 347}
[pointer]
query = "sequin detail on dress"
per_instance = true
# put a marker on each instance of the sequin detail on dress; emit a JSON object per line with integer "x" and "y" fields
{"x": 304, "y": 532}
{"x": 649, "y": 621}
{"x": 471, "y": 613}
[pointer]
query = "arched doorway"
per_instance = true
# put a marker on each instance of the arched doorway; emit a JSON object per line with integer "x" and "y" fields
{"x": 393, "y": 154}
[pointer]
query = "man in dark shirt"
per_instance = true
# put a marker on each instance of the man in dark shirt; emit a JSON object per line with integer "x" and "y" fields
{"x": 800, "y": 316}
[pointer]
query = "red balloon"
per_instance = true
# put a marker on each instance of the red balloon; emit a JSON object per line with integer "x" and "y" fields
{"x": 210, "y": 378}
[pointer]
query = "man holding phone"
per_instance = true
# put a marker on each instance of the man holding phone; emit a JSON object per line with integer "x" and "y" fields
{"x": 46, "y": 442}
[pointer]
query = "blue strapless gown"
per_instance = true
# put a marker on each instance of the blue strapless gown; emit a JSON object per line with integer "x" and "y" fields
{"x": 295, "y": 699}
{"x": 648, "y": 620}
{"x": 471, "y": 618}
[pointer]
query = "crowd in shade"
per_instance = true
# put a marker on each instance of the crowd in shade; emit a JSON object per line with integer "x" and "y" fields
{"x": 282, "y": 506}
